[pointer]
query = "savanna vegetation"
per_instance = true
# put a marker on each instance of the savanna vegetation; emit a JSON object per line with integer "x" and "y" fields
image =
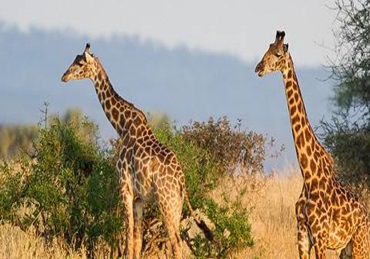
{"x": 63, "y": 187}
{"x": 59, "y": 188}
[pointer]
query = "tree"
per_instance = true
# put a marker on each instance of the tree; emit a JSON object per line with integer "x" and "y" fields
{"x": 352, "y": 67}
{"x": 348, "y": 134}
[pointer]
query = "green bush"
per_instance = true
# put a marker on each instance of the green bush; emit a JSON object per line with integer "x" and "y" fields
{"x": 69, "y": 191}
{"x": 204, "y": 169}
{"x": 234, "y": 150}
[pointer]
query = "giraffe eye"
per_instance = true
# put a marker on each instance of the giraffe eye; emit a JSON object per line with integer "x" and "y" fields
{"x": 80, "y": 60}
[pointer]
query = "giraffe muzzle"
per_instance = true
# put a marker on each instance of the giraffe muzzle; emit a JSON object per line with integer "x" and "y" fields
{"x": 65, "y": 78}
{"x": 260, "y": 69}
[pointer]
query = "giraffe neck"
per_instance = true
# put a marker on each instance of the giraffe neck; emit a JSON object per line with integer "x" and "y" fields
{"x": 129, "y": 122}
{"x": 308, "y": 148}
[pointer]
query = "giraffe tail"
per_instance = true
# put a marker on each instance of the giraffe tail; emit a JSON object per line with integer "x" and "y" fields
{"x": 200, "y": 222}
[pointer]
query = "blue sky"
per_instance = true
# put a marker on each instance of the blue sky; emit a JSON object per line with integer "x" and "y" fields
{"x": 239, "y": 27}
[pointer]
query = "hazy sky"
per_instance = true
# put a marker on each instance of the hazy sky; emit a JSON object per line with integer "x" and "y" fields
{"x": 240, "y": 27}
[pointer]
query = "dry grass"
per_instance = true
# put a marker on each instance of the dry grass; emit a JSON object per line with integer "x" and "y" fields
{"x": 14, "y": 244}
{"x": 273, "y": 217}
{"x": 271, "y": 202}
{"x": 272, "y": 214}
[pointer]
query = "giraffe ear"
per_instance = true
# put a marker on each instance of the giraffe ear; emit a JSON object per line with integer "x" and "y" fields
{"x": 89, "y": 56}
{"x": 87, "y": 48}
{"x": 286, "y": 46}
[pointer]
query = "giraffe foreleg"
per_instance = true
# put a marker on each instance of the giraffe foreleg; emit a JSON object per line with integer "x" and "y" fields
{"x": 359, "y": 243}
{"x": 320, "y": 234}
{"x": 126, "y": 191}
{"x": 138, "y": 234}
{"x": 320, "y": 247}
{"x": 127, "y": 199}
{"x": 127, "y": 195}
{"x": 304, "y": 238}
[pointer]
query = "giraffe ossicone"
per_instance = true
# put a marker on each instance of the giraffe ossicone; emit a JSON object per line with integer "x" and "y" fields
{"x": 147, "y": 169}
{"x": 329, "y": 216}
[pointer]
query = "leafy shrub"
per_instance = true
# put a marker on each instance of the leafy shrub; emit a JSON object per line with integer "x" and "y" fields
{"x": 203, "y": 171}
{"x": 230, "y": 147}
{"x": 70, "y": 192}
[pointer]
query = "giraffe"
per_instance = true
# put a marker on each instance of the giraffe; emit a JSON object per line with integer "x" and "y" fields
{"x": 328, "y": 215}
{"x": 148, "y": 170}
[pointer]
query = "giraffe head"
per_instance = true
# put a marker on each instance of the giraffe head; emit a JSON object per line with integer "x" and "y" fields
{"x": 274, "y": 58}
{"x": 82, "y": 67}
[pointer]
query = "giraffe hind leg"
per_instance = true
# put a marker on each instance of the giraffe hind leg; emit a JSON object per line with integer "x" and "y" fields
{"x": 174, "y": 234}
{"x": 171, "y": 210}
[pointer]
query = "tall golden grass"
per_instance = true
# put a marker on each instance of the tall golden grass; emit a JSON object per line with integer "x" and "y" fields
{"x": 272, "y": 215}
{"x": 270, "y": 201}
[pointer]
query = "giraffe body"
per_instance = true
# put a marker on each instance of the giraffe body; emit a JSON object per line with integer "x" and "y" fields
{"x": 148, "y": 170}
{"x": 328, "y": 215}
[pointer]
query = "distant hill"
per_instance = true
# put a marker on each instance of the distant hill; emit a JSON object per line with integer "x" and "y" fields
{"x": 182, "y": 83}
